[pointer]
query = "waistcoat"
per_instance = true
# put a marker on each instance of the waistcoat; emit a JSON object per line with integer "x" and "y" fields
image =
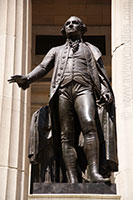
{"x": 76, "y": 68}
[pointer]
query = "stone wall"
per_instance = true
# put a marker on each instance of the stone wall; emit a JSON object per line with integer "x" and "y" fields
{"x": 122, "y": 78}
{"x": 15, "y": 53}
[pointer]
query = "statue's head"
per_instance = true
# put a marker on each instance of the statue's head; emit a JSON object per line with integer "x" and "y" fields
{"x": 73, "y": 27}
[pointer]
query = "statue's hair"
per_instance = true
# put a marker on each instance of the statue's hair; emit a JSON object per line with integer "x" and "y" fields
{"x": 83, "y": 26}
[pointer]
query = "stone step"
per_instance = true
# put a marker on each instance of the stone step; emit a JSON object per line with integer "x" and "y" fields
{"x": 73, "y": 197}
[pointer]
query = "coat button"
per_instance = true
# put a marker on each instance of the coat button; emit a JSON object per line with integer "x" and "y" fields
{"x": 61, "y": 68}
{"x": 59, "y": 74}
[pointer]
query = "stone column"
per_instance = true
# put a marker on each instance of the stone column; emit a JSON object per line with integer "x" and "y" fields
{"x": 122, "y": 78}
{"x": 15, "y": 51}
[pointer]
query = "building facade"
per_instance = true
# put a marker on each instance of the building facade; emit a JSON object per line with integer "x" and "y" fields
{"x": 24, "y": 24}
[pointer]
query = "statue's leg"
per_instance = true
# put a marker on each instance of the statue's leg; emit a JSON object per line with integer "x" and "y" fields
{"x": 66, "y": 116}
{"x": 85, "y": 108}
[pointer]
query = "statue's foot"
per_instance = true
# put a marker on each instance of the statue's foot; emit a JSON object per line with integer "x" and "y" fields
{"x": 73, "y": 177}
{"x": 97, "y": 178}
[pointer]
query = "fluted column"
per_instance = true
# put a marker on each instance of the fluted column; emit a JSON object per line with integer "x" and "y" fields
{"x": 122, "y": 75}
{"x": 15, "y": 51}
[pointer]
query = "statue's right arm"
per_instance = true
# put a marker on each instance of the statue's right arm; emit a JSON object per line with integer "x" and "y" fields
{"x": 41, "y": 70}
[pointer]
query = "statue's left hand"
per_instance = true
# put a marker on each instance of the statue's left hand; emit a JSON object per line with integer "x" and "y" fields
{"x": 105, "y": 99}
{"x": 21, "y": 80}
{"x": 107, "y": 96}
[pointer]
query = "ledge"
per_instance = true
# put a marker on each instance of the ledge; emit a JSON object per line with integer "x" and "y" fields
{"x": 73, "y": 197}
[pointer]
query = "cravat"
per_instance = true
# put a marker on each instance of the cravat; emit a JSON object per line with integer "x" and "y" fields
{"x": 74, "y": 45}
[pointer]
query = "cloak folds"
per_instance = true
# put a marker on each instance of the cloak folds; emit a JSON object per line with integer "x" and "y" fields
{"x": 40, "y": 135}
{"x": 106, "y": 128}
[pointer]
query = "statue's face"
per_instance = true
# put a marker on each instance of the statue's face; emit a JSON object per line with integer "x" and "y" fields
{"x": 72, "y": 27}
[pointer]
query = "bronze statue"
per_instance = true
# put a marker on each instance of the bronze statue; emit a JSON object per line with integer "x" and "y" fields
{"x": 81, "y": 100}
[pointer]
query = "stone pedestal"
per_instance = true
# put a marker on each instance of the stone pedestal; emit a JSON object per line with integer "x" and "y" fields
{"x": 67, "y": 191}
{"x": 71, "y": 188}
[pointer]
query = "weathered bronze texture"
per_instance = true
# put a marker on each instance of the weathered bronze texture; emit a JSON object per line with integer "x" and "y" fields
{"x": 81, "y": 103}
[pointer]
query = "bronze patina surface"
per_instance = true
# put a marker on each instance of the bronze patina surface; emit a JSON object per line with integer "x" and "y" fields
{"x": 81, "y": 105}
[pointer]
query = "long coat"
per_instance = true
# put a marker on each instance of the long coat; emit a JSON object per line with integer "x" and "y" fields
{"x": 57, "y": 58}
{"x": 105, "y": 115}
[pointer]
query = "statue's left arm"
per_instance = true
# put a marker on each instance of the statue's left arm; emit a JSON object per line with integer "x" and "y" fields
{"x": 106, "y": 89}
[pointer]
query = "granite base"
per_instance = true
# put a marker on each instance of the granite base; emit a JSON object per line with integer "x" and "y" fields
{"x": 76, "y": 188}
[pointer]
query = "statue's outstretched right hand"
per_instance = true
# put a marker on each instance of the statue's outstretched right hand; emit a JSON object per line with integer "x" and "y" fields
{"x": 21, "y": 80}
